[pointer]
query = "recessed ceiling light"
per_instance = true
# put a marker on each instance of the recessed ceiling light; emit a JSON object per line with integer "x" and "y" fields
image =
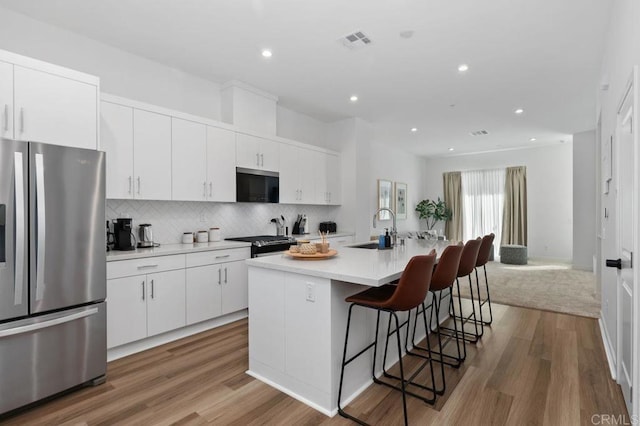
{"x": 353, "y": 98}
{"x": 463, "y": 67}
{"x": 406, "y": 34}
{"x": 450, "y": 149}
{"x": 519, "y": 111}
{"x": 414, "y": 129}
{"x": 532, "y": 140}
{"x": 266, "y": 53}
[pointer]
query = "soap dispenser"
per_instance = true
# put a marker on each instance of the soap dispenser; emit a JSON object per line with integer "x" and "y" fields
{"x": 387, "y": 238}
{"x": 381, "y": 240}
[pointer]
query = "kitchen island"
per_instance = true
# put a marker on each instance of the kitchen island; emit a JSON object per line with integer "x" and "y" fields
{"x": 297, "y": 319}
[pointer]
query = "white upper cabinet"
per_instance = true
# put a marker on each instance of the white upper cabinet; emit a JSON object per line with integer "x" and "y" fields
{"x": 221, "y": 164}
{"x": 189, "y": 160}
{"x": 297, "y": 175}
{"x": 333, "y": 168}
{"x": 6, "y": 100}
{"x": 54, "y": 109}
{"x": 321, "y": 188}
{"x": 152, "y": 155}
{"x": 116, "y": 139}
{"x": 253, "y": 152}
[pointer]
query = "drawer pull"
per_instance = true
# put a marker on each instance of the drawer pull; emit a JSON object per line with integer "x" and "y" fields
{"x": 147, "y": 266}
{"x": 223, "y": 256}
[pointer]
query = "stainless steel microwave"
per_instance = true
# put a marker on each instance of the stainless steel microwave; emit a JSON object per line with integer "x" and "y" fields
{"x": 257, "y": 186}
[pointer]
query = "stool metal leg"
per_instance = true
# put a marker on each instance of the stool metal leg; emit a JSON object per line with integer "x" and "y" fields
{"x": 488, "y": 299}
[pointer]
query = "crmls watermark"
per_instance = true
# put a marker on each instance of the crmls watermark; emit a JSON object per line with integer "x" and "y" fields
{"x": 614, "y": 419}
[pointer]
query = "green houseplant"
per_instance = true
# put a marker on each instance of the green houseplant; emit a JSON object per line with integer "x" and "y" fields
{"x": 433, "y": 211}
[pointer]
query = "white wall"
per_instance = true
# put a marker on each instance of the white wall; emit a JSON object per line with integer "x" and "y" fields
{"x": 301, "y": 127}
{"x": 584, "y": 199}
{"x": 622, "y": 52}
{"x": 120, "y": 73}
{"x": 549, "y": 191}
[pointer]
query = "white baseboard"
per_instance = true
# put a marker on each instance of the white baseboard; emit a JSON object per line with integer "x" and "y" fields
{"x": 608, "y": 349}
{"x": 161, "y": 339}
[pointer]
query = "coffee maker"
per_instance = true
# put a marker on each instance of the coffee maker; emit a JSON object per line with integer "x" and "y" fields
{"x": 123, "y": 235}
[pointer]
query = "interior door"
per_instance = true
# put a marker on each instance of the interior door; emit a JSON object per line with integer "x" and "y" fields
{"x": 13, "y": 229}
{"x": 627, "y": 206}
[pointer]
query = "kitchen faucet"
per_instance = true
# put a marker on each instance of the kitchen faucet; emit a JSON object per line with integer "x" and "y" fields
{"x": 394, "y": 229}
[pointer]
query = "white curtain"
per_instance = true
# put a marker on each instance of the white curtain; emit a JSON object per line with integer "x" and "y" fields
{"x": 482, "y": 204}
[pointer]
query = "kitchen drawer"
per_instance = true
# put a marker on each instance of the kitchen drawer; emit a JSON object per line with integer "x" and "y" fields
{"x": 217, "y": 256}
{"x": 127, "y": 268}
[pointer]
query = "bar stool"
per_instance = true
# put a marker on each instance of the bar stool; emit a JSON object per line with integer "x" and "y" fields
{"x": 467, "y": 266}
{"x": 409, "y": 293}
{"x": 444, "y": 275}
{"x": 483, "y": 257}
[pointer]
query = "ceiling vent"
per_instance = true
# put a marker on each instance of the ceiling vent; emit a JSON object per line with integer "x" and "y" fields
{"x": 479, "y": 133}
{"x": 356, "y": 40}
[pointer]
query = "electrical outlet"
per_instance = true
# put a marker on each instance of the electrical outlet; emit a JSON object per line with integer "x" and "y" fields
{"x": 311, "y": 292}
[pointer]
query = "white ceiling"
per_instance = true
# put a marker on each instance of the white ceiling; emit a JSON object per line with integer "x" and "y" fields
{"x": 540, "y": 55}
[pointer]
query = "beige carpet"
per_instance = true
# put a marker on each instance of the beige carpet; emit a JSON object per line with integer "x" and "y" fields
{"x": 540, "y": 285}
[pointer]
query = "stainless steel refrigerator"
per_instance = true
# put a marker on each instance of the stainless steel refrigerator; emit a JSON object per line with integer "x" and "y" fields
{"x": 52, "y": 270}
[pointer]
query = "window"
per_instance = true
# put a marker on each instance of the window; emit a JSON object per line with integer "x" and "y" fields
{"x": 482, "y": 203}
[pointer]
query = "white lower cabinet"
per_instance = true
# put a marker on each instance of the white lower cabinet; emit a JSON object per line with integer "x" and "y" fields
{"x": 142, "y": 304}
{"x": 216, "y": 283}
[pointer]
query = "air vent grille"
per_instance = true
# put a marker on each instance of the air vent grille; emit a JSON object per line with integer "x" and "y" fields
{"x": 479, "y": 133}
{"x": 355, "y": 40}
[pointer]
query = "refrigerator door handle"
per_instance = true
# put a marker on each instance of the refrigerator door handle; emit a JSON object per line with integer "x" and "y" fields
{"x": 46, "y": 324}
{"x": 20, "y": 228}
{"x": 41, "y": 223}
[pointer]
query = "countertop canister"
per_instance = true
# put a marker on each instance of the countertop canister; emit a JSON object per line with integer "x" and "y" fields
{"x": 214, "y": 234}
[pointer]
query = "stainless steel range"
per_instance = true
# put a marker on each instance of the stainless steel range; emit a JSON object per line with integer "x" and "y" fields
{"x": 264, "y": 245}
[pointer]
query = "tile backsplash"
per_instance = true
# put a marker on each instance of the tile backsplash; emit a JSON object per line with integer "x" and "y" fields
{"x": 171, "y": 218}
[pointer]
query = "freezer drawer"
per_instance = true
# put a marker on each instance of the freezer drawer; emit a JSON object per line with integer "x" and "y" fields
{"x": 45, "y": 355}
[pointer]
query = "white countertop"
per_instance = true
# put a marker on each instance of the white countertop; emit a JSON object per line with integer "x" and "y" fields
{"x": 356, "y": 265}
{"x": 169, "y": 249}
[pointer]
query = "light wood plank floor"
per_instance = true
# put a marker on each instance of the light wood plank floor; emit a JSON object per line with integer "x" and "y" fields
{"x": 531, "y": 367}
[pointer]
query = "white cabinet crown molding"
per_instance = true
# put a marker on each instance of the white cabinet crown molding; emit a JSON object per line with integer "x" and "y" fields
{"x": 39, "y": 65}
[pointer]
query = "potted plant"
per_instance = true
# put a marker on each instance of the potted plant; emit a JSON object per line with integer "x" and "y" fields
{"x": 433, "y": 211}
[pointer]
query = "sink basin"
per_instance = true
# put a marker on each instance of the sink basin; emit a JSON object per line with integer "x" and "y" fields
{"x": 370, "y": 246}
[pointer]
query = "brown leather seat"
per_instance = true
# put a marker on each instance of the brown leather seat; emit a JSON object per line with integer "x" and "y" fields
{"x": 444, "y": 275}
{"x": 410, "y": 292}
{"x": 469, "y": 257}
{"x": 483, "y": 257}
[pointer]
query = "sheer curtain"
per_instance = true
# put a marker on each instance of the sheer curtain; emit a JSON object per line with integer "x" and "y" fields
{"x": 482, "y": 204}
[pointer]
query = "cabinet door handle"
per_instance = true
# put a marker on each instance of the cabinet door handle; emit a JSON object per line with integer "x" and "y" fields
{"x": 210, "y": 189}
{"x": 6, "y": 117}
{"x": 22, "y": 120}
{"x": 219, "y": 276}
{"x": 152, "y": 290}
{"x": 204, "y": 189}
{"x": 130, "y": 183}
{"x": 143, "y": 291}
{"x": 262, "y": 160}
{"x": 257, "y": 159}
{"x": 138, "y": 185}
{"x": 225, "y": 275}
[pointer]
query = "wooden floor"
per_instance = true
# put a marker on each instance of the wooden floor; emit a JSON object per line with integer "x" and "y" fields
{"x": 531, "y": 367}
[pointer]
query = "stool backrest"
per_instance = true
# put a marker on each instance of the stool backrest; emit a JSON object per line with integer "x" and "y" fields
{"x": 446, "y": 270}
{"x": 485, "y": 249}
{"x": 469, "y": 257}
{"x": 414, "y": 283}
